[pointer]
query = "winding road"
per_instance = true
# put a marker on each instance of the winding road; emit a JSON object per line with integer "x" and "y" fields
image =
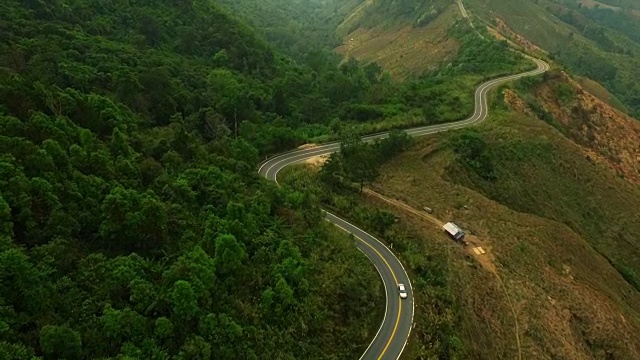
{"x": 393, "y": 334}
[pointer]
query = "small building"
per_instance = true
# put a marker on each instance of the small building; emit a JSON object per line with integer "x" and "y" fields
{"x": 455, "y": 231}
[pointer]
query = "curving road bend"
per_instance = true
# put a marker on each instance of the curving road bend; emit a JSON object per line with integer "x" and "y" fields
{"x": 393, "y": 334}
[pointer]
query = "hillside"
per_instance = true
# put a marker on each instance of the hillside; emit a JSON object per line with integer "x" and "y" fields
{"x": 598, "y": 42}
{"x": 548, "y": 187}
{"x": 409, "y": 37}
{"x": 294, "y": 27}
{"x": 406, "y": 38}
{"x": 559, "y": 230}
{"x": 405, "y": 50}
{"x": 607, "y": 135}
{"x": 132, "y": 223}
{"x": 556, "y": 218}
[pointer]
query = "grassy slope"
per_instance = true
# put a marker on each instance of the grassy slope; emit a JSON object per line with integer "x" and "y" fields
{"x": 294, "y": 27}
{"x": 541, "y": 221}
{"x": 404, "y": 50}
{"x": 545, "y": 31}
{"x": 404, "y": 43}
{"x": 546, "y": 238}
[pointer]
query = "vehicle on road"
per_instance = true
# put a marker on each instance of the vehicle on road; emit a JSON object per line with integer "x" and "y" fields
{"x": 403, "y": 291}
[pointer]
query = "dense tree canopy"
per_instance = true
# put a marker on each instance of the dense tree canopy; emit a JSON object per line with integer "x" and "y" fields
{"x": 132, "y": 223}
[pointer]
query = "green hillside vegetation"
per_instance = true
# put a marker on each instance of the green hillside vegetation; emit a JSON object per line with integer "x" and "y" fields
{"x": 133, "y": 225}
{"x": 597, "y": 42}
{"x": 445, "y": 94}
{"x": 294, "y": 27}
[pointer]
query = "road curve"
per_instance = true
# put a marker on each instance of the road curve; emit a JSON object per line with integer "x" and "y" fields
{"x": 392, "y": 336}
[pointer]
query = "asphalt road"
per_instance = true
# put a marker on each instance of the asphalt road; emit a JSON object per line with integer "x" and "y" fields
{"x": 392, "y": 336}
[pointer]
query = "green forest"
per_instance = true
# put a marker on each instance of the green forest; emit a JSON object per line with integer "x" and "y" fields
{"x": 133, "y": 223}
{"x": 297, "y": 27}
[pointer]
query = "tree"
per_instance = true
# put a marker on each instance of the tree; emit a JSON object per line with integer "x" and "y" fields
{"x": 59, "y": 156}
{"x": 397, "y": 142}
{"x": 221, "y": 58}
{"x": 382, "y": 221}
{"x": 332, "y": 171}
{"x": 163, "y": 327}
{"x": 11, "y": 351}
{"x": 358, "y": 160}
{"x": 198, "y": 269}
{"x": 6, "y": 225}
{"x": 60, "y": 342}
{"x": 211, "y": 124}
{"x": 284, "y": 294}
{"x": 123, "y": 325}
{"x": 473, "y": 153}
{"x": 195, "y": 348}
{"x": 23, "y": 287}
{"x": 143, "y": 295}
{"x": 132, "y": 221}
{"x": 223, "y": 333}
{"x": 243, "y": 151}
{"x": 373, "y": 71}
{"x": 119, "y": 145}
{"x": 183, "y": 300}
{"x": 229, "y": 255}
{"x": 230, "y": 96}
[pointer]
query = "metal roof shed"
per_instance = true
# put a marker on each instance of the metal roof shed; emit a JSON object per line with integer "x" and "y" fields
{"x": 454, "y": 230}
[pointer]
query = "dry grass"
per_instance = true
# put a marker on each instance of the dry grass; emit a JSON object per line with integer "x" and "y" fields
{"x": 569, "y": 302}
{"x": 600, "y": 92}
{"x": 317, "y": 161}
{"x": 404, "y": 50}
{"x": 502, "y": 32}
{"x": 605, "y": 133}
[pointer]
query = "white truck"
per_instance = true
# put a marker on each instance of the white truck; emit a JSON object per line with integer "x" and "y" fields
{"x": 455, "y": 232}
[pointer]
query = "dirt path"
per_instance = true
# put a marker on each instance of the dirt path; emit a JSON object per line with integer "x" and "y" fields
{"x": 513, "y": 311}
{"x": 463, "y": 11}
{"x": 484, "y": 260}
{"x": 403, "y": 206}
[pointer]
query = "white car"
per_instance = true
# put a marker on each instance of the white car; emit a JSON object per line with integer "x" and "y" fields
{"x": 403, "y": 291}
